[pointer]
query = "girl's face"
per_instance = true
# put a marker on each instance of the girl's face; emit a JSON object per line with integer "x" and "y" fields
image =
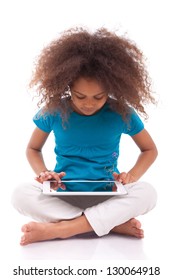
{"x": 88, "y": 96}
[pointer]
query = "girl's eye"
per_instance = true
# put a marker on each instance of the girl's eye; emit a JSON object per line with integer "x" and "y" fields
{"x": 80, "y": 97}
{"x": 99, "y": 98}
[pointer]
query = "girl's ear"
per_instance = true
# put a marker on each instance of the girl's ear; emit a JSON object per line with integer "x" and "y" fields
{"x": 66, "y": 93}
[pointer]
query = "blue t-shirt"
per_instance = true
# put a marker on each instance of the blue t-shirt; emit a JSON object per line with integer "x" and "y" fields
{"x": 88, "y": 147}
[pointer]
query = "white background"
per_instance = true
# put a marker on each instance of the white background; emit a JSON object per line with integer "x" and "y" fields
{"x": 25, "y": 28}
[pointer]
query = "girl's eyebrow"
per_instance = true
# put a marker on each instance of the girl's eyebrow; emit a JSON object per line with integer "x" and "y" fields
{"x": 103, "y": 92}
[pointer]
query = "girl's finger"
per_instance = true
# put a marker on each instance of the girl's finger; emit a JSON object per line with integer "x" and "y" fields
{"x": 115, "y": 175}
{"x": 57, "y": 176}
{"x": 61, "y": 174}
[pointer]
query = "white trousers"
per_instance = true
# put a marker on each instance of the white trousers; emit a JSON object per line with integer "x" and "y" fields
{"x": 102, "y": 212}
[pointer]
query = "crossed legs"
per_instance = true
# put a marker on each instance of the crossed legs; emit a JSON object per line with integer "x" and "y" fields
{"x": 33, "y": 231}
{"x": 59, "y": 219}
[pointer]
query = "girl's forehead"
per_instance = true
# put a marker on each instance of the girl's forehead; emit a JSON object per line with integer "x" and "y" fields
{"x": 87, "y": 86}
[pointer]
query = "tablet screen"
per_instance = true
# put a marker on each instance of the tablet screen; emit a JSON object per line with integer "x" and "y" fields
{"x": 85, "y": 187}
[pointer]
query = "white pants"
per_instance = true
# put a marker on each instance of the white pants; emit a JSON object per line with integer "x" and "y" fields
{"x": 102, "y": 212}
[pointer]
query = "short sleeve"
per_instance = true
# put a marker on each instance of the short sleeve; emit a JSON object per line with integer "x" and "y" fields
{"x": 44, "y": 121}
{"x": 134, "y": 125}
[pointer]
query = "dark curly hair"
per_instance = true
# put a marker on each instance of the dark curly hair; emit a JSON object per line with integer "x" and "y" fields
{"x": 114, "y": 61}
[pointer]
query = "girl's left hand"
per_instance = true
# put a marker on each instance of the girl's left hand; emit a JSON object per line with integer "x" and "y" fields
{"x": 124, "y": 178}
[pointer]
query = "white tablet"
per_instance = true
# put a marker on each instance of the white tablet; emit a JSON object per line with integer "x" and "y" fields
{"x": 83, "y": 187}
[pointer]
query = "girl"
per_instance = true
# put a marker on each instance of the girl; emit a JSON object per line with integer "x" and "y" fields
{"x": 91, "y": 87}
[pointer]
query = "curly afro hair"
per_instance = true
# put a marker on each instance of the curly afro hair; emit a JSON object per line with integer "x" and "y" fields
{"x": 114, "y": 61}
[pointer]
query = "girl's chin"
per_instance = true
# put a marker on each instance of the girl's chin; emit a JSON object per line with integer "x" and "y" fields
{"x": 83, "y": 111}
{"x": 87, "y": 112}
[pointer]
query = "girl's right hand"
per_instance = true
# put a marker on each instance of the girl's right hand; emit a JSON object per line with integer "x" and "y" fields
{"x": 51, "y": 175}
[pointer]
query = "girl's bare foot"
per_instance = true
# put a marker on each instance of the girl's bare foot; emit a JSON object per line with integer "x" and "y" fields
{"x": 131, "y": 227}
{"x": 34, "y": 232}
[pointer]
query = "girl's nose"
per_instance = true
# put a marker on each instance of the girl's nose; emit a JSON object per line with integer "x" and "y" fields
{"x": 89, "y": 104}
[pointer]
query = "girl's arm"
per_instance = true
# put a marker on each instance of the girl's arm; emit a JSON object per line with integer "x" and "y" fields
{"x": 35, "y": 157}
{"x": 34, "y": 150}
{"x": 147, "y": 156}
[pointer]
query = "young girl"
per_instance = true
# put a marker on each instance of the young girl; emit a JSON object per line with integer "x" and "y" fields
{"x": 91, "y": 87}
